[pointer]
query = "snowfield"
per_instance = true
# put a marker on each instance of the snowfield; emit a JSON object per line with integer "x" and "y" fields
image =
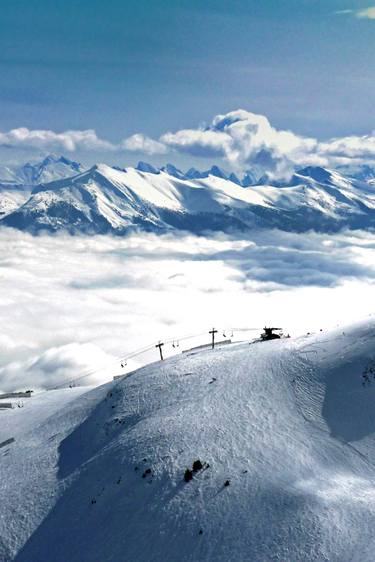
{"x": 288, "y": 423}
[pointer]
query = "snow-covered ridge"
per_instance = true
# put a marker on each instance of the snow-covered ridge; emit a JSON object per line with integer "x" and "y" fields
{"x": 105, "y": 199}
{"x": 288, "y": 424}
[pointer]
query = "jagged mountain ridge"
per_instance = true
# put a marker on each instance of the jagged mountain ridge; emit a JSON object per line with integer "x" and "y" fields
{"x": 105, "y": 199}
{"x": 51, "y": 168}
{"x": 16, "y": 182}
{"x": 250, "y": 177}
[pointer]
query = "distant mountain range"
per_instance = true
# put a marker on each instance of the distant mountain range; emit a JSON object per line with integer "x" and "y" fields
{"x": 57, "y": 194}
{"x": 17, "y": 182}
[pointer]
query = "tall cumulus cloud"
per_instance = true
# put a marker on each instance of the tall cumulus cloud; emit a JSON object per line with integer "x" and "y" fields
{"x": 240, "y": 138}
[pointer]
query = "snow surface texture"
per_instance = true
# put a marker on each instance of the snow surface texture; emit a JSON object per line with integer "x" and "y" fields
{"x": 287, "y": 423}
{"x": 110, "y": 200}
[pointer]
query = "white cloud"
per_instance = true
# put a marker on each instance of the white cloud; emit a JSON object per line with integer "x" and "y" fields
{"x": 207, "y": 143}
{"x": 360, "y": 148}
{"x": 143, "y": 144}
{"x": 64, "y": 314}
{"x": 77, "y": 140}
{"x": 49, "y": 140}
{"x": 367, "y": 13}
{"x": 241, "y": 139}
{"x": 49, "y": 368}
{"x": 244, "y": 139}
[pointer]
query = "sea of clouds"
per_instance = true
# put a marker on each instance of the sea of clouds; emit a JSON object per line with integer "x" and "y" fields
{"x": 76, "y": 305}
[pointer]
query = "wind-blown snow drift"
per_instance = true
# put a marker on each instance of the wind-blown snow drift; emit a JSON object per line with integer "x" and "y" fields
{"x": 288, "y": 423}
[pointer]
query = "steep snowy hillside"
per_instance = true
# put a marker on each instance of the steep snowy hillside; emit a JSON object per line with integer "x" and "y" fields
{"x": 106, "y": 199}
{"x": 285, "y": 434}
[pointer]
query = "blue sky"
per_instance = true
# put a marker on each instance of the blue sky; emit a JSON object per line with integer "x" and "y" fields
{"x": 124, "y": 67}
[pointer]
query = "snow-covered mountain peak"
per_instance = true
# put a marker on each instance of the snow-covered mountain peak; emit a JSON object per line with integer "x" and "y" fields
{"x": 316, "y": 173}
{"x": 110, "y": 199}
{"x": 145, "y": 167}
{"x": 52, "y": 158}
{"x": 52, "y": 167}
{"x": 171, "y": 170}
{"x": 218, "y": 172}
{"x": 103, "y": 169}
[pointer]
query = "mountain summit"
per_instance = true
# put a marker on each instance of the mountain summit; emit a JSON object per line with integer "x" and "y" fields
{"x": 104, "y": 199}
{"x": 52, "y": 167}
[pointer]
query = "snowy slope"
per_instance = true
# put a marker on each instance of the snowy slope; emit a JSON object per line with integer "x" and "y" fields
{"x": 28, "y": 413}
{"x": 288, "y": 423}
{"x": 106, "y": 199}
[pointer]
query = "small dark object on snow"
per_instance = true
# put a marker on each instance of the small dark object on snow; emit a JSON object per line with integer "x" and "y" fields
{"x": 197, "y": 465}
{"x": 146, "y": 472}
{"x": 112, "y": 406}
{"x": 144, "y": 460}
{"x": 136, "y": 468}
{"x": 93, "y": 500}
{"x": 244, "y": 472}
{"x": 119, "y": 480}
{"x": 226, "y": 483}
{"x": 268, "y": 334}
{"x": 200, "y": 532}
{"x": 188, "y": 475}
{"x": 213, "y": 380}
